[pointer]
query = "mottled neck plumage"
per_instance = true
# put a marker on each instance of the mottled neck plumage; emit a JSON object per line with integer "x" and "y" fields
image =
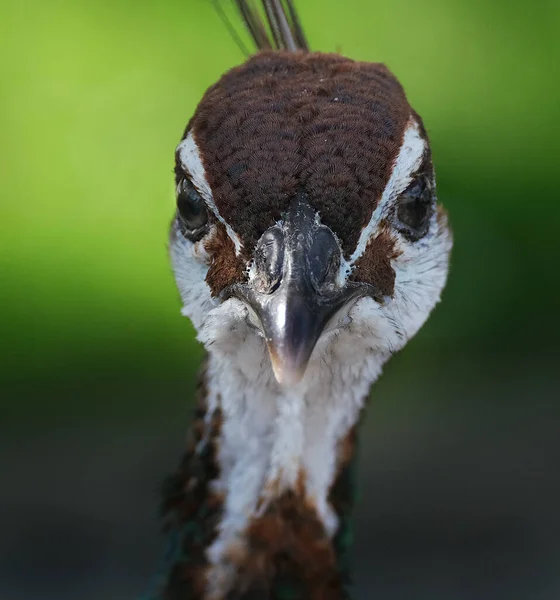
{"x": 283, "y": 550}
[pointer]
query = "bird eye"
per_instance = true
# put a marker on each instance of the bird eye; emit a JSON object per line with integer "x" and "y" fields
{"x": 191, "y": 210}
{"x": 414, "y": 209}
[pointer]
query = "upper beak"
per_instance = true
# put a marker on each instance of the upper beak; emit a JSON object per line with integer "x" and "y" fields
{"x": 293, "y": 319}
{"x": 293, "y": 289}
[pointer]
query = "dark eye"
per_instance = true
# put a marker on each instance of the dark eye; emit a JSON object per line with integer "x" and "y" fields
{"x": 191, "y": 209}
{"x": 414, "y": 209}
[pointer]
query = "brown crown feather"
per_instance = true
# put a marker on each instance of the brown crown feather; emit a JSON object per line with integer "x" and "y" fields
{"x": 289, "y": 122}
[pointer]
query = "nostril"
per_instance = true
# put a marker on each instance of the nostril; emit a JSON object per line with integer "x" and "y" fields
{"x": 269, "y": 260}
{"x": 323, "y": 259}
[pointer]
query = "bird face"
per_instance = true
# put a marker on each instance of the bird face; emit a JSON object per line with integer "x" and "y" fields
{"x": 306, "y": 209}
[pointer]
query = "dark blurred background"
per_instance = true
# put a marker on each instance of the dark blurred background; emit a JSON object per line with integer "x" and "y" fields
{"x": 459, "y": 473}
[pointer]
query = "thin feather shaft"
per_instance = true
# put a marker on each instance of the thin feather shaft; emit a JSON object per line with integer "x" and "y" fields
{"x": 254, "y": 25}
{"x": 299, "y": 34}
{"x": 284, "y": 26}
{"x": 274, "y": 26}
{"x": 273, "y": 23}
{"x": 231, "y": 29}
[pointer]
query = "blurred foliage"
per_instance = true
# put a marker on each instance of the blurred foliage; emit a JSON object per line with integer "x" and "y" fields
{"x": 95, "y": 95}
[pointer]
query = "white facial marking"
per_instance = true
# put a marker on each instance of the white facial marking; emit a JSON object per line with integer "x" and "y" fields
{"x": 407, "y": 163}
{"x": 191, "y": 161}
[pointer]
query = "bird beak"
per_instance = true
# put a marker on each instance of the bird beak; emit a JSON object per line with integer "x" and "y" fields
{"x": 293, "y": 319}
{"x": 293, "y": 289}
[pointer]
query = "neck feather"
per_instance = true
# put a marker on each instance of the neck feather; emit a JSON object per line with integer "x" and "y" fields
{"x": 260, "y": 505}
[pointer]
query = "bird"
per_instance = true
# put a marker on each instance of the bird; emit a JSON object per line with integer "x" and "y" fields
{"x": 308, "y": 246}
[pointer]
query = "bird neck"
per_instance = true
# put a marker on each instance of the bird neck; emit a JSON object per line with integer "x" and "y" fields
{"x": 263, "y": 496}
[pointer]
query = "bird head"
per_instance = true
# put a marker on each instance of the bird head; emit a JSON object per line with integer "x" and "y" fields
{"x": 306, "y": 209}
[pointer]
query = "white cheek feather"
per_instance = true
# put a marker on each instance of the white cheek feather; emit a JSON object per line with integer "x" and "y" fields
{"x": 270, "y": 435}
{"x": 421, "y": 273}
{"x": 190, "y": 265}
{"x": 191, "y": 161}
{"x": 406, "y": 164}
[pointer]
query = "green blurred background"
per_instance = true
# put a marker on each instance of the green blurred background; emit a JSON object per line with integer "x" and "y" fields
{"x": 461, "y": 446}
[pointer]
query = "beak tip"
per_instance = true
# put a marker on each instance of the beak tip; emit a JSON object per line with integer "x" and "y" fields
{"x": 285, "y": 373}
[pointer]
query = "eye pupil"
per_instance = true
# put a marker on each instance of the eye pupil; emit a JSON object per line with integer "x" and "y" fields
{"x": 413, "y": 210}
{"x": 190, "y": 207}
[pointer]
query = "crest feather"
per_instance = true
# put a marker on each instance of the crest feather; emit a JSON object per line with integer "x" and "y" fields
{"x": 273, "y": 26}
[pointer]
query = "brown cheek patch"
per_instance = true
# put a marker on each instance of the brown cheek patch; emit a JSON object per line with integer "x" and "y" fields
{"x": 374, "y": 266}
{"x": 225, "y": 267}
